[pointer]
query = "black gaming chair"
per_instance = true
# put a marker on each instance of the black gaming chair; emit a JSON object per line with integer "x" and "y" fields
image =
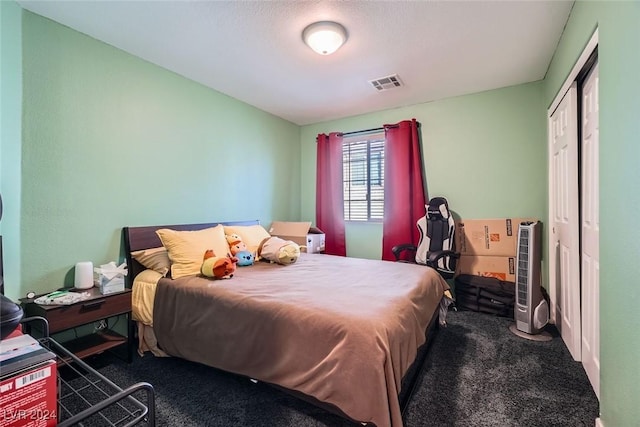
{"x": 436, "y": 248}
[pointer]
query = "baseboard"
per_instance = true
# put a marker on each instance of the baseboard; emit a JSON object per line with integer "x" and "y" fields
{"x": 599, "y": 422}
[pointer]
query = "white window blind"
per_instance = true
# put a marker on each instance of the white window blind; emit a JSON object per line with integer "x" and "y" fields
{"x": 363, "y": 177}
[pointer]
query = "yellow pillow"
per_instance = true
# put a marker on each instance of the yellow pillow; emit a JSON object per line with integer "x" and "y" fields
{"x": 186, "y": 248}
{"x": 156, "y": 259}
{"x": 251, "y": 235}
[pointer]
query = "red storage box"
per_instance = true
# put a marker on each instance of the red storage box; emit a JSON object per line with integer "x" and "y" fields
{"x": 28, "y": 398}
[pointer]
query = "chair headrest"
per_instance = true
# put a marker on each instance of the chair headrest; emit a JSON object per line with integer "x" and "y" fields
{"x": 438, "y": 208}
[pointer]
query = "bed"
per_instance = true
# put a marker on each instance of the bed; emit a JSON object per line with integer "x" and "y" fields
{"x": 343, "y": 333}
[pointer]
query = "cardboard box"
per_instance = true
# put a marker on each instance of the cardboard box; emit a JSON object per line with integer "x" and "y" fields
{"x": 29, "y": 397}
{"x": 500, "y": 267}
{"x": 310, "y": 239}
{"x": 488, "y": 237}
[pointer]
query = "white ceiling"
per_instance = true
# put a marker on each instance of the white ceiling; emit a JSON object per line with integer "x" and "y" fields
{"x": 253, "y": 50}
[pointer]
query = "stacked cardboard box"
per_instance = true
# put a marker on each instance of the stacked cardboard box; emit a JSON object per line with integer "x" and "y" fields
{"x": 488, "y": 247}
{"x": 311, "y": 239}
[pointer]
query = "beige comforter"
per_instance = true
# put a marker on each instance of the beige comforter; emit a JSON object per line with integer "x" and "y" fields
{"x": 342, "y": 330}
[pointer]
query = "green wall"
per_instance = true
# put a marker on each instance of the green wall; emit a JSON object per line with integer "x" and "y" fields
{"x": 618, "y": 26}
{"x": 486, "y": 153}
{"x": 10, "y": 140}
{"x": 110, "y": 140}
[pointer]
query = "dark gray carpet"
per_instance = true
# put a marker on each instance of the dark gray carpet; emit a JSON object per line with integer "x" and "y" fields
{"x": 477, "y": 373}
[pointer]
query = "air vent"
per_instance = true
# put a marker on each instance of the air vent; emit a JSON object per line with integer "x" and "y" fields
{"x": 386, "y": 83}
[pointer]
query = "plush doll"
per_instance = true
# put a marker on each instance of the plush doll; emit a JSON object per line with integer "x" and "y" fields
{"x": 218, "y": 267}
{"x": 245, "y": 258}
{"x": 235, "y": 243}
{"x": 278, "y": 250}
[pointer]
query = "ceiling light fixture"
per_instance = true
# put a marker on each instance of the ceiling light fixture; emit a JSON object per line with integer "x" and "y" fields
{"x": 324, "y": 37}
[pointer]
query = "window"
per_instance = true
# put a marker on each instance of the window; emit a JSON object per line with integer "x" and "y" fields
{"x": 363, "y": 177}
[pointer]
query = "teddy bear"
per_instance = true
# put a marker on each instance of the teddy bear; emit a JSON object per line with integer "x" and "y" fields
{"x": 235, "y": 243}
{"x": 245, "y": 258}
{"x": 218, "y": 267}
{"x": 278, "y": 250}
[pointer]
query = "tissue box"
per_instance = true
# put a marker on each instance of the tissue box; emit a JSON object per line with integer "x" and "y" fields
{"x": 109, "y": 286}
{"x": 111, "y": 277}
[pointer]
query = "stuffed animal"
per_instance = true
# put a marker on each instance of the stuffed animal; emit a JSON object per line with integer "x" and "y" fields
{"x": 218, "y": 267}
{"x": 245, "y": 258}
{"x": 235, "y": 243}
{"x": 278, "y": 250}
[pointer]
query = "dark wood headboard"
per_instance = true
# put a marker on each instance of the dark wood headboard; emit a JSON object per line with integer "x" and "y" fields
{"x": 139, "y": 238}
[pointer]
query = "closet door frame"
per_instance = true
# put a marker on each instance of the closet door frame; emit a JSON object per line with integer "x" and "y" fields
{"x": 553, "y": 286}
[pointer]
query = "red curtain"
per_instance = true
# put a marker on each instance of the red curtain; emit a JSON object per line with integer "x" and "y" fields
{"x": 329, "y": 193}
{"x": 404, "y": 195}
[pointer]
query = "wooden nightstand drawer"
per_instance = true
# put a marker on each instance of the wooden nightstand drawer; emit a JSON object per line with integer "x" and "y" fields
{"x": 68, "y": 316}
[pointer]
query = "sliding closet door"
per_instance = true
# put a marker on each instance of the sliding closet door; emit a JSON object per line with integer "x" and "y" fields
{"x": 590, "y": 231}
{"x": 565, "y": 258}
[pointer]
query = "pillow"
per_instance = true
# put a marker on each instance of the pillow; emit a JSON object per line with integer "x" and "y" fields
{"x": 155, "y": 259}
{"x": 251, "y": 235}
{"x": 186, "y": 248}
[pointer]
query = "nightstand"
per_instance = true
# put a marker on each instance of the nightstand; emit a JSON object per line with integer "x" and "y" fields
{"x": 95, "y": 309}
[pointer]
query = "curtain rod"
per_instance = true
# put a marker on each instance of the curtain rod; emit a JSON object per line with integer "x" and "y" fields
{"x": 361, "y": 132}
{"x": 358, "y": 132}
